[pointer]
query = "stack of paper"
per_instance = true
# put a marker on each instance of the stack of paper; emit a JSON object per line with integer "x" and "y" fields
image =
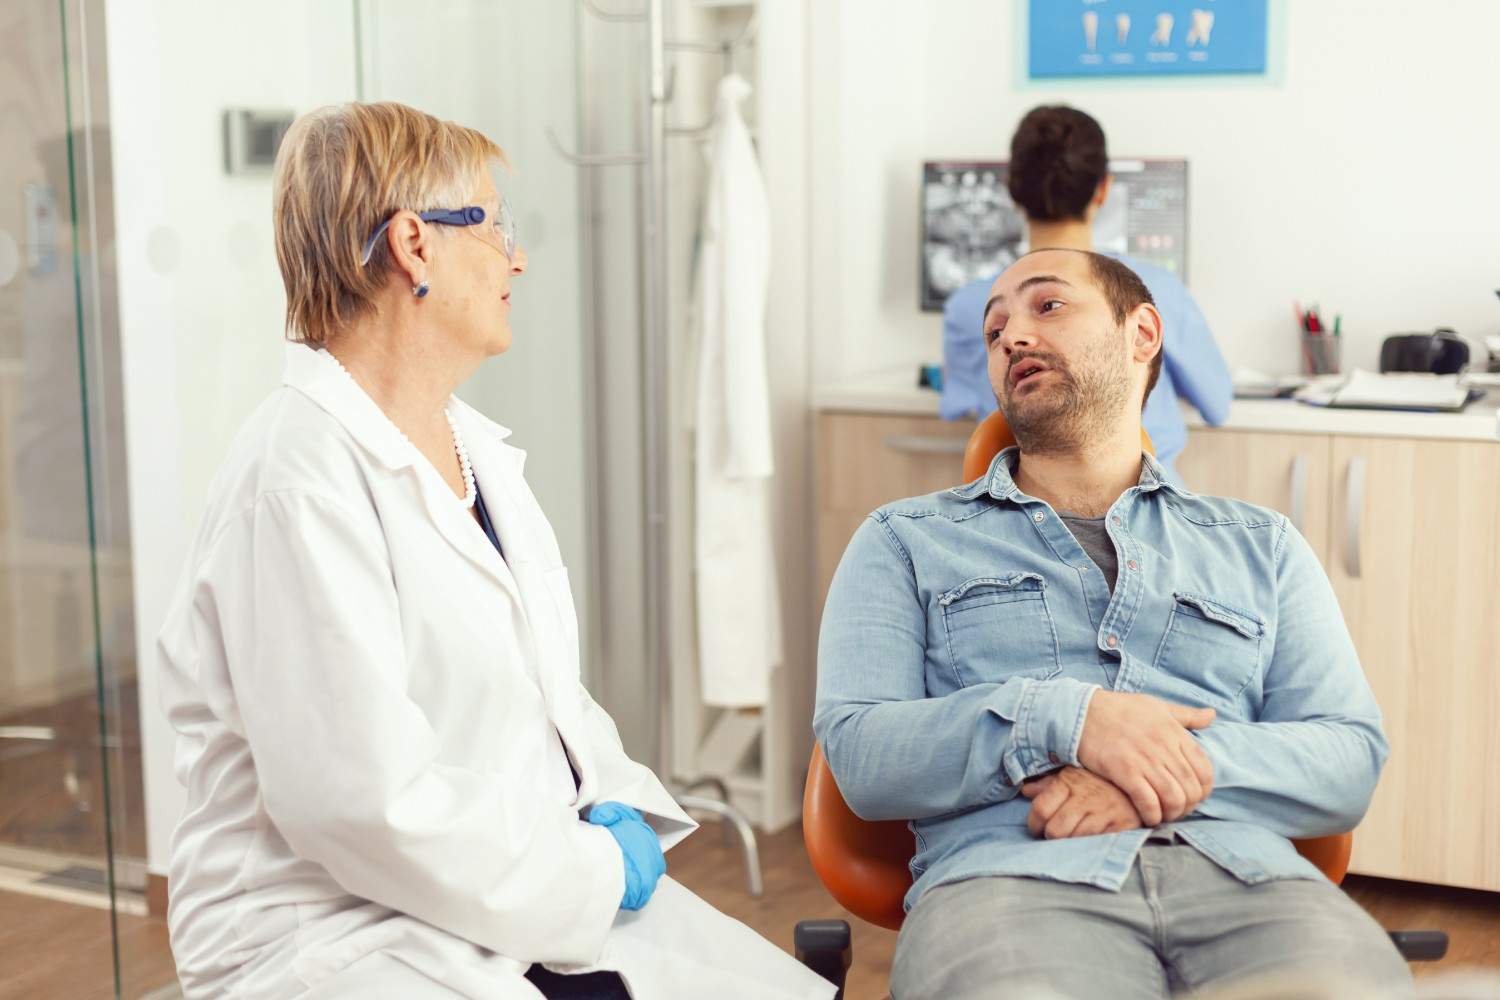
{"x": 1401, "y": 391}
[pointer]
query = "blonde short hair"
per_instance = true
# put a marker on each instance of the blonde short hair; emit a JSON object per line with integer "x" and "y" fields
{"x": 342, "y": 171}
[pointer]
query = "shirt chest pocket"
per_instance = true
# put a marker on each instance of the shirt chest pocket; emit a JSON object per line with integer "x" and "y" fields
{"x": 1209, "y": 648}
{"x": 999, "y": 627}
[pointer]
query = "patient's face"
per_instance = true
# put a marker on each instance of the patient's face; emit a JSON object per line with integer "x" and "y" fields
{"x": 1058, "y": 361}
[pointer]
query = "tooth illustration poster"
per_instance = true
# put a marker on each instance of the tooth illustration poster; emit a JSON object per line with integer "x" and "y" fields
{"x": 1146, "y": 37}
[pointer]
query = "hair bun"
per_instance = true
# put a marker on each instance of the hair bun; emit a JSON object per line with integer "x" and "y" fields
{"x": 1058, "y": 161}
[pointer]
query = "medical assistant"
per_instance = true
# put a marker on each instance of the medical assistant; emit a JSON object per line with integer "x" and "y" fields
{"x": 379, "y": 721}
{"x": 1192, "y": 367}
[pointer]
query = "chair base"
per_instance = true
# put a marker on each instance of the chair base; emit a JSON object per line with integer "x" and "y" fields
{"x": 825, "y": 947}
{"x": 1420, "y": 946}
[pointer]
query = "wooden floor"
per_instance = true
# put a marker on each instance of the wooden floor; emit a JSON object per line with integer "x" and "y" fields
{"x": 57, "y": 951}
{"x": 61, "y": 951}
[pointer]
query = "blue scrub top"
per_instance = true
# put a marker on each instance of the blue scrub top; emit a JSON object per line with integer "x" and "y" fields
{"x": 1192, "y": 367}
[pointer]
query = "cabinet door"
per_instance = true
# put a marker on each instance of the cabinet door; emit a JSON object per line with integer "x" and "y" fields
{"x": 866, "y": 460}
{"x": 1285, "y": 472}
{"x": 1416, "y": 565}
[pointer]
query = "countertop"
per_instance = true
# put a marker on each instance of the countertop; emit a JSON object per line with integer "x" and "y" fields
{"x": 895, "y": 394}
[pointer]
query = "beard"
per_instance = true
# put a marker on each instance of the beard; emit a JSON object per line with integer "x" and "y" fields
{"x": 1081, "y": 404}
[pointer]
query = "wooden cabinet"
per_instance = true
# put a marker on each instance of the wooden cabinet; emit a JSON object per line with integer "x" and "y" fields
{"x": 1416, "y": 566}
{"x": 1409, "y": 532}
{"x": 1286, "y": 472}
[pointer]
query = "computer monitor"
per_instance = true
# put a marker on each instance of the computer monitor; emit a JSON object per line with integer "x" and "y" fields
{"x": 971, "y": 229}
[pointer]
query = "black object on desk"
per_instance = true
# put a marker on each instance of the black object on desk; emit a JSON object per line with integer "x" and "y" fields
{"x": 1441, "y": 352}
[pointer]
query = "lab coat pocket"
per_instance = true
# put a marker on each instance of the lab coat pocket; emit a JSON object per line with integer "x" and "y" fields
{"x": 998, "y": 628}
{"x": 1209, "y": 648}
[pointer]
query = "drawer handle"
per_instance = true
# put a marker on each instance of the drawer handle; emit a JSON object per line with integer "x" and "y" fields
{"x": 1355, "y": 516}
{"x": 1299, "y": 493}
{"x": 916, "y": 444}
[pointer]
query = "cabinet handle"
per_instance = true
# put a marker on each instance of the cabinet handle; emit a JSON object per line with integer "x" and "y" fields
{"x": 1355, "y": 515}
{"x": 1299, "y": 493}
{"x": 919, "y": 445}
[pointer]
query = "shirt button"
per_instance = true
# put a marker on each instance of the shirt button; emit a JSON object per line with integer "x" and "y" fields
{"x": 1111, "y": 640}
{"x": 1038, "y": 517}
{"x": 1008, "y": 782}
{"x": 1116, "y": 519}
{"x": 1132, "y": 564}
{"x": 1054, "y": 758}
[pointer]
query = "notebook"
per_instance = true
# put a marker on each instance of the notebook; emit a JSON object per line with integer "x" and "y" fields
{"x": 1401, "y": 391}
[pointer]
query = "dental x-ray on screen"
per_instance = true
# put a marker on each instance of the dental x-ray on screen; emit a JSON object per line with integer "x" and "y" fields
{"x": 971, "y": 229}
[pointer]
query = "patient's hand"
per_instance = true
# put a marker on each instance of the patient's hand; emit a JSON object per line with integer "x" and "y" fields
{"x": 1142, "y": 746}
{"x": 1077, "y": 803}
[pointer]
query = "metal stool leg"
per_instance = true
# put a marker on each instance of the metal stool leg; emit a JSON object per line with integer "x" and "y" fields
{"x": 731, "y": 816}
{"x": 721, "y": 792}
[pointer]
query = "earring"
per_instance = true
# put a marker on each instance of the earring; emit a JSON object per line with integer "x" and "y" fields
{"x": 421, "y": 290}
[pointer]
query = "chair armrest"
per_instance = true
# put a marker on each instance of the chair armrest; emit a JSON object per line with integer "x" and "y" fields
{"x": 1420, "y": 946}
{"x": 825, "y": 947}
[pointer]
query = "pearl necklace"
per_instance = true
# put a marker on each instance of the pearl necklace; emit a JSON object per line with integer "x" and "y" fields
{"x": 471, "y": 491}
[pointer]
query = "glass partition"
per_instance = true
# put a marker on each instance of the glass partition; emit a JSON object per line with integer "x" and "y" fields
{"x": 72, "y": 832}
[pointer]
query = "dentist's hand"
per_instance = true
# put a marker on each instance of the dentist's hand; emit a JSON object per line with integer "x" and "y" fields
{"x": 644, "y": 862}
{"x": 1142, "y": 746}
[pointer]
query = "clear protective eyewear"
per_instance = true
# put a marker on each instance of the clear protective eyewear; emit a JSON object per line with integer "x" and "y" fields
{"x": 504, "y": 226}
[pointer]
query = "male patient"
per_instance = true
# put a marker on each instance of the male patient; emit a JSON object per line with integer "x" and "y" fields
{"x": 1103, "y": 702}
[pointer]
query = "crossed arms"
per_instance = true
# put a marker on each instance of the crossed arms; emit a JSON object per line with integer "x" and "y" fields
{"x": 1305, "y": 766}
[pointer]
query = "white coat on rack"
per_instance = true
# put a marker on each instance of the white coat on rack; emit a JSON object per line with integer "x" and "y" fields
{"x": 739, "y": 611}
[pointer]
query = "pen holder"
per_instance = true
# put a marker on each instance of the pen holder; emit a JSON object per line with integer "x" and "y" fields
{"x": 1320, "y": 354}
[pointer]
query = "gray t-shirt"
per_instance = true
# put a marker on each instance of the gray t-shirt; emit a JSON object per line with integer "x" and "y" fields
{"x": 1094, "y": 538}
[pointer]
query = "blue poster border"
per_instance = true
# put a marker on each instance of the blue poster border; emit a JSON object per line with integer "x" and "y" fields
{"x": 1278, "y": 13}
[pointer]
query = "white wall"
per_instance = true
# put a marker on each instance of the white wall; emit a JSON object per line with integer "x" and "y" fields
{"x": 1363, "y": 180}
{"x": 201, "y": 302}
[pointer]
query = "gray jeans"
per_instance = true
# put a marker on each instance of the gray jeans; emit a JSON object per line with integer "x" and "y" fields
{"x": 1180, "y": 924}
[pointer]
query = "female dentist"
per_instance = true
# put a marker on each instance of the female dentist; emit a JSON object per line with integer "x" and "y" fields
{"x": 396, "y": 784}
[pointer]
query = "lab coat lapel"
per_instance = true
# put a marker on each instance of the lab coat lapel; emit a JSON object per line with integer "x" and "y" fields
{"x": 318, "y": 375}
{"x": 532, "y": 555}
{"x": 457, "y": 525}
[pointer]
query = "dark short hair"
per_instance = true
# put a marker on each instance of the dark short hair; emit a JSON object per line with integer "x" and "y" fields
{"x": 1124, "y": 290}
{"x": 1057, "y": 162}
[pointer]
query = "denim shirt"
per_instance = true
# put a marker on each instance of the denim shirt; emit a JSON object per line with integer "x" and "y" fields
{"x": 966, "y": 631}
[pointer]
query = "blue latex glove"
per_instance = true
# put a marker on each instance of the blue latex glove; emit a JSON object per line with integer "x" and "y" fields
{"x": 644, "y": 862}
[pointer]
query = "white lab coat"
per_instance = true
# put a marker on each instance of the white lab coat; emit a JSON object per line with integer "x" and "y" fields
{"x": 371, "y": 710}
{"x": 739, "y": 602}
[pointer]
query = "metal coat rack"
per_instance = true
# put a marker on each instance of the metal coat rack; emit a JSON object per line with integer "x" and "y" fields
{"x": 651, "y": 162}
